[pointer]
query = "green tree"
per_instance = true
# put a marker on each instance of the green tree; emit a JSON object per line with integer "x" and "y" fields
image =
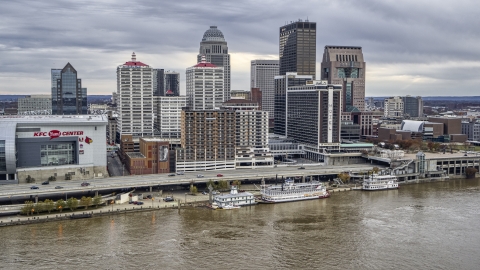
{"x": 85, "y": 201}
{"x": 60, "y": 205}
{"x": 193, "y": 190}
{"x": 237, "y": 183}
{"x": 345, "y": 177}
{"x": 68, "y": 176}
{"x": 222, "y": 185}
{"x": 49, "y": 205}
{"x": 72, "y": 203}
{"x": 39, "y": 207}
{"x": 27, "y": 208}
{"x": 52, "y": 178}
{"x": 375, "y": 169}
{"x": 97, "y": 200}
{"x": 30, "y": 179}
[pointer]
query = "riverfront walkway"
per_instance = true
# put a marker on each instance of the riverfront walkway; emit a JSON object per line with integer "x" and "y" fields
{"x": 157, "y": 203}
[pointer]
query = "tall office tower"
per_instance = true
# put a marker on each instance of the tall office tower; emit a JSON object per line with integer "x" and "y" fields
{"x": 68, "y": 96}
{"x": 412, "y": 106}
{"x": 169, "y": 111}
{"x": 393, "y": 107}
{"x": 135, "y": 98}
{"x": 282, "y": 82}
{"x": 158, "y": 75}
{"x": 214, "y": 48}
{"x": 262, "y": 75}
{"x": 172, "y": 83}
{"x": 345, "y": 65}
{"x": 314, "y": 113}
{"x": 205, "y": 86}
{"x": 298, "y": 48}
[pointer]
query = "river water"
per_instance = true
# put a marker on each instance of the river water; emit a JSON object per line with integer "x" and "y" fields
{"x": 424, "y": 226}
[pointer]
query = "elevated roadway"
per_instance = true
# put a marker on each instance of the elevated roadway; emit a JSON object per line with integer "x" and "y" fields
{"x": 23, "y": 191}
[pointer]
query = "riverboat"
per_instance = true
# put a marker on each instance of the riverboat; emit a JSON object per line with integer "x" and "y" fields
{"x": 291, "y": 191}
{"x": 380, "y": 182}
{"x": 234, "y": 199}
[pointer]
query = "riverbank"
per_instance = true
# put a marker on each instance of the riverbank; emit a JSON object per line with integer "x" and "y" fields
{"x": 114, "y": 209}
{"x": 182, "y": 200}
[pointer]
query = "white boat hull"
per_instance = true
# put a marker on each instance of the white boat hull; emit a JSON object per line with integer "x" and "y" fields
{"x": 380, "y": 182}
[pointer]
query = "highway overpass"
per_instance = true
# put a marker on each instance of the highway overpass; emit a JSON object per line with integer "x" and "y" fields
{"x": 22, "y": 192}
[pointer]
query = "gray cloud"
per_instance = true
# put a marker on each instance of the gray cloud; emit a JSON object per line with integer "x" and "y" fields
{"x": 434, "y": 44}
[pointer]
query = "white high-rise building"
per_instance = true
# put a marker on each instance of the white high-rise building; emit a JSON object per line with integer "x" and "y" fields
{"x": 205, "y": 86}
{"x": 214, "y": 47}
{"x": 393, "y": 107}
{"x": 169, "y": 115}
{"x": 262, "y": 75}
{"x": 135, "y": 98}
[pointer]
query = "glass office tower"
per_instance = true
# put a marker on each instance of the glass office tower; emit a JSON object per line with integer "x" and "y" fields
{"x": 68, "y": 96}
{"x": 298, "y": 48}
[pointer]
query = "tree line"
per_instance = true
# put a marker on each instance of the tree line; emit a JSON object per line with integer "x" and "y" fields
{"x": 31, "y": 208}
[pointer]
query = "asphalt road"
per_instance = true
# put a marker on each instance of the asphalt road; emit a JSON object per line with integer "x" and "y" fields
{"x": 115, "y": 166}
{"x": 189, "y": 177}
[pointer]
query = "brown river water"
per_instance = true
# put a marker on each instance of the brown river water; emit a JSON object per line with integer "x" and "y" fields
{"x": 424, "y": 226}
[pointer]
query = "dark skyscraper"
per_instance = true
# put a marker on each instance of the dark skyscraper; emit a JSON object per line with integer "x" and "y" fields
{"x": 172, "y": 83}
{"x": 282, "y": 83}
{"x": 344, "y": 65}
{"x": 68, "y": 96}
{"x": 166, "y": 83}
{"x": 298, "y": 48}
{"x": 158, "y": 82}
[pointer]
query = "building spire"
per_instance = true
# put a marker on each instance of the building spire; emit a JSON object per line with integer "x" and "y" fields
{"x": 134, "y": 57}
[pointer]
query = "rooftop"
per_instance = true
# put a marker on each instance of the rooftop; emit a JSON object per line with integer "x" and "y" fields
{"x": 213, "y": 34}
{"x": 135, "y": 155}
{"x": 134, "y": 62}
{"x": 204, "y": 63}
{"x": 456, "y": 154}
{"x": 69, "y": 119}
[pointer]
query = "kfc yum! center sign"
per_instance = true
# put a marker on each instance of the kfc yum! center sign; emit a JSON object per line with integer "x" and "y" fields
{"x": 57, "y": 133}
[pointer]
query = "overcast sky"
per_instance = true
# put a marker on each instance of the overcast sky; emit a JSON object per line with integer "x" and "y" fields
{"x": 415, "y": 47}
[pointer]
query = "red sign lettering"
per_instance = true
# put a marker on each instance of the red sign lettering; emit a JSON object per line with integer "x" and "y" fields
{"x": 57, "y": 133}
{"x": 39, "y": 134}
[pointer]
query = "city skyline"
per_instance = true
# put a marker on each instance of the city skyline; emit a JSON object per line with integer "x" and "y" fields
{"x": 411, "y": 47}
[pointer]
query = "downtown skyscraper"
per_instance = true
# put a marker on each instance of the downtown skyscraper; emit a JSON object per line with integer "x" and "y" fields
{"x": 214, "y": 47}
{"x": 298, "y": 48}
{"x": 68, "y": 96}
{"x": 345, "y": 65}
{"x": 262, "y": 75}
{"x": 135, "y": 98}
{"x": 205, "y": 86}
